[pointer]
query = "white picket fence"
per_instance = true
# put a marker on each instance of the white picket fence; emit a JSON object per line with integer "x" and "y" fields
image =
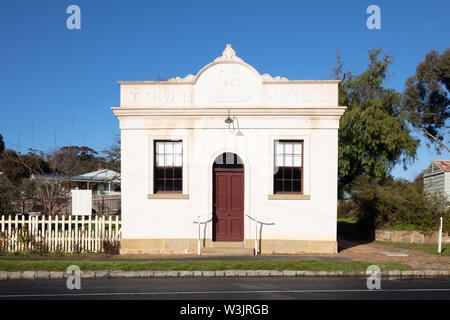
{"x": 58, "y": 234}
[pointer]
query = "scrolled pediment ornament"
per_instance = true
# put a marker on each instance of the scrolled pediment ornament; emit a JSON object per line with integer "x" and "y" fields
{"x": 188, "y": 78}
{"x": 229, "y": 55}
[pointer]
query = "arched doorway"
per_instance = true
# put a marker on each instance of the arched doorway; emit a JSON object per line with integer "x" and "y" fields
{"x": 228, "y": 198}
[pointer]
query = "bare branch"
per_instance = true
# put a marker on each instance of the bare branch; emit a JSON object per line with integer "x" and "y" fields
{"x": 435, "y": 139}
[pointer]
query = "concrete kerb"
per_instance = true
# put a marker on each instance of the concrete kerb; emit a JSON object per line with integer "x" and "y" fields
{"x": 101, "y": 274}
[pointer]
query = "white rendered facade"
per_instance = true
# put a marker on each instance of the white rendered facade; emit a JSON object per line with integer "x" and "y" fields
{"x": 192, "y": 110}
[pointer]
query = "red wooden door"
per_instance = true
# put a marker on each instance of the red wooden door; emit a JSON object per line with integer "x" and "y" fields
{"x": 229, "y": 205}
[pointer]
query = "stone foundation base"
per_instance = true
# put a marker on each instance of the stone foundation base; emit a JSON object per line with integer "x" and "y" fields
{"x": 189, "y": 246}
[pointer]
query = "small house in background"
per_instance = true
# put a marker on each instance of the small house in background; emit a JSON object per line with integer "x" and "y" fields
{"x": 103, "y": 181}
{"x": 105, "y": 186}
{"x": 436, "y": 178}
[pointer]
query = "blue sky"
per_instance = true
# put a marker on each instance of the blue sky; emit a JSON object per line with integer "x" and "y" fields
{"x": 57, "y": 85}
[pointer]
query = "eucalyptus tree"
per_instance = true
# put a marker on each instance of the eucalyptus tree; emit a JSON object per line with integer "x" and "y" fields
{"x": 426, "y": 100}
{"x": 374, "y": 135}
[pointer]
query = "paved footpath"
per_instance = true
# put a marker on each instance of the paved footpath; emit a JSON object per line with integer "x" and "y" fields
{"x": 188, "y": 258}
{"x": 255, "y": 288}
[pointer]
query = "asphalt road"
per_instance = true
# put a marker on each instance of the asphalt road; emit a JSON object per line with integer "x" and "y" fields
{"x": 227, "y": 288}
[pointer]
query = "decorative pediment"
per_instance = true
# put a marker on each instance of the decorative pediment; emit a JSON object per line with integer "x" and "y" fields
{"x": 229, "y": 55}
{"x": 229, "y": 82}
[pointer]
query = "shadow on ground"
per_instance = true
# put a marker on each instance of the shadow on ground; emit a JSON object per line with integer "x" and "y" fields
{"x": 351, "y": 235}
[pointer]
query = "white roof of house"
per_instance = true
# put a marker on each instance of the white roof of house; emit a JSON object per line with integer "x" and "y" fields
{"x": 98, "y": 176}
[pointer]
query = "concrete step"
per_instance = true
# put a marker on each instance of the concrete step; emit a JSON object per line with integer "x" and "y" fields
{"x": 228, "y": 251}
{"x": 222, "y": 244}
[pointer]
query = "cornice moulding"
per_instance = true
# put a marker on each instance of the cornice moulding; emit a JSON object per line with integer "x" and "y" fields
{"x": 191, "y": 82}
{"x": 256, "y": 111}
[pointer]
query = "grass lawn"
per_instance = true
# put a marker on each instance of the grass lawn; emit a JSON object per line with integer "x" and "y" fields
{"x": 410, "y": 227}
{"x": 307, "y": 265}
{"x": 430, "y": 248}
{"x": 347, "y": 220}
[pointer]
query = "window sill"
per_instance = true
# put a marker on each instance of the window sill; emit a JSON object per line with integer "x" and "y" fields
{"x": 168, "y": 196}
{"x": 288, "y": 197}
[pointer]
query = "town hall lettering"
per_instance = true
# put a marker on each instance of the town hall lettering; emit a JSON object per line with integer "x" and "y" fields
{"x": 272, "y": 96}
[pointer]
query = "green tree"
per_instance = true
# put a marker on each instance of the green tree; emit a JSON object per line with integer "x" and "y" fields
{"x": 425, "y": 98}
{"x": 373, "y": 135}
{"x": 397, "y": 202}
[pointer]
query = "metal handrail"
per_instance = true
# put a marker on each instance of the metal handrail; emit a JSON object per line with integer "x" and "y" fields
{"x": 259, "y": 221}
{"x": 256, "y": 220}
{"x": 199, "y": 224}
{"x": 198, "y": 218}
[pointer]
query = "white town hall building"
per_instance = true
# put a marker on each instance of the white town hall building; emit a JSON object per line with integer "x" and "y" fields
{"x": 232, "y": 148}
